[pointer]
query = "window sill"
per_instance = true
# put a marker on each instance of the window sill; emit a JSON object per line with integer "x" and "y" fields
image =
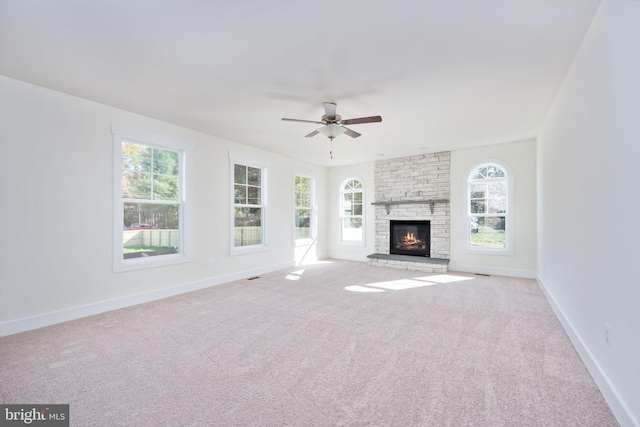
{"x": 133, "y": 264}
{"x": 489, "y": 251}
{"x": 243, "y": 250}
{"x": 351, "y": 243}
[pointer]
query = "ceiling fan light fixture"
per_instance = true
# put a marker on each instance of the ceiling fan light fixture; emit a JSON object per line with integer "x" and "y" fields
{"x": 332, "y": 130}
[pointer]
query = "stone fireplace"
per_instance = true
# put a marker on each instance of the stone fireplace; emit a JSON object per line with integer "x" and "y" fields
{"x": 414, "y": 190}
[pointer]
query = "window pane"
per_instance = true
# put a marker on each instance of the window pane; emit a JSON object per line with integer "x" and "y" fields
{"x": 498, "y": 205}
{"x": 478, "y": 191}
{"x": 494, "y": 172}
{"x": 240, "y": 194}
{"x": 136, "y": 185}
{"x": 165, "y": 162}
{"x": 254, "y": 176}
{"x": 150, "y": 230}
{"x": 354, "y": 184}
{"x": 303, "y": 223}
{"x": 490, "y": 232}
{"x": 303, "y": 200}
{"x": 356, "y": 209}
{"x": 248, "y": 216}
{"x": 479, "y": 173}
{"x": 135, "y": 157}
{"x": 240, "y": 174}
{"x": 477, "y": 206}
{"x": 352, "y": 229}
{"x": 253, "y": 195}
{"x": 247, "y": 226}
{"x": 303, "y": 185}
{"x": 497, "y": 189}
{"x": 347, "y": 203}
{"x": 346, "y": 211}
{"x": 165, "y": 188}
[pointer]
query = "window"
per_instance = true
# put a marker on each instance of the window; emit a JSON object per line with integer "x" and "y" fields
{"x": 303, "y": 215}
{"x": 489, "y": 209}
{"x": 149, "y": 200}
{"x": 248, "y": 204}
{"x": 351, "y": 211}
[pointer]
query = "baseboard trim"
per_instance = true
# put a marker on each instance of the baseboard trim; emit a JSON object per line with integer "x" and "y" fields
{"x": 40, "y": 321}
{"x": 617, "y": 405}
{"x": 511, "y": 272}
{"x": 360, "y": 258}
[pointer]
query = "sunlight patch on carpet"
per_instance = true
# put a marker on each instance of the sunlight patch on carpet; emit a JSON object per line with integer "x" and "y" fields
{"x": 401, "y": 284}
{"x": 358, "y": 288}
{"x": 444, "y": 278}
{"x": 315, "y": 262}
{"x": 294, "y": 275}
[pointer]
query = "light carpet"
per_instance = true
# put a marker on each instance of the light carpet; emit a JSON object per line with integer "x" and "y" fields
{"x": 330, "y": 344}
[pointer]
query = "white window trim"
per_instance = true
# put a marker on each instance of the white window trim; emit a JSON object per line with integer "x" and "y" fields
{"x": 361, "y": 242}
{"x": 185, "y": 149}
{"x": 235, "y": 158}
{"x": 314, "y": 211}
{"x": 508, "y": 250}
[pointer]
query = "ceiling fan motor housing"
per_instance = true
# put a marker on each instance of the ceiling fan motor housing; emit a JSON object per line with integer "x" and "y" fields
{"x": 327, "y": 120}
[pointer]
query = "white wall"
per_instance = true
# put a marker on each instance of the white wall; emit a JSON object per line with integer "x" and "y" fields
{"x": 521, "y": 158}
{"x": 589, "y": 209}
{"x": 56, "y": 167}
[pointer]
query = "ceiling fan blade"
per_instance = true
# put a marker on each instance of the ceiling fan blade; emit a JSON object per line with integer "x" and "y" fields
{"x": 351, "y": 133}
{"x": 314, "y": 133}
{"x": 372, "y": 119}
{"x": 330, "y": 110}
{"x": 303, "y": 121}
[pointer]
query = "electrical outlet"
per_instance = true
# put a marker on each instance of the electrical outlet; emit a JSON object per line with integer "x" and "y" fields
{"x": 607, "y": 334}
{"x": 210, "y": 261}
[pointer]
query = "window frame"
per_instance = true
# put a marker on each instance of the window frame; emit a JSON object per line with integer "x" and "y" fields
{"x": 508, "y": 215}
{"x": 312, "y": 209}
{"x": 341, "y": 217}
{"x": 184, "y": 149}
{"x": 243, "y": 160}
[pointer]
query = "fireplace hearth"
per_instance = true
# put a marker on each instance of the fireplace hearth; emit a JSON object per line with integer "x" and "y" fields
{"x": 410, "y": 238}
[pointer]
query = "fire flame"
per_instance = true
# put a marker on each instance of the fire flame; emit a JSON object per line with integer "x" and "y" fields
{"x": 410, "y": 239}
{"x": 411, "y": 242}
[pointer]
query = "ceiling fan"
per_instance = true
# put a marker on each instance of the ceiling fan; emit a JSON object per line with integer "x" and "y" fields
{"x": 333, "y": 123}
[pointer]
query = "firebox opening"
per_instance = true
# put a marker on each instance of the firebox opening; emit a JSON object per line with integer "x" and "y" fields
{"x": 410, "y": 238}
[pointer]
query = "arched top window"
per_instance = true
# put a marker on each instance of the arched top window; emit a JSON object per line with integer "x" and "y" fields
{"x": 352, "y": 211}
{"x": 488, "y": 200}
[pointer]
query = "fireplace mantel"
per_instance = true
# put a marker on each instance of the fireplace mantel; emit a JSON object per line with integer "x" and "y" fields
{"x": 387, "y": 204}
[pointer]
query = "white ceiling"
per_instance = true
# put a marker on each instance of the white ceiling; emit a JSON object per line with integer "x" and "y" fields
{"x": 443, "y": 74}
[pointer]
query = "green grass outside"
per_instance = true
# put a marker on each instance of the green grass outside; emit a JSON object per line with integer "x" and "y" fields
{"x": 488, "y": 237}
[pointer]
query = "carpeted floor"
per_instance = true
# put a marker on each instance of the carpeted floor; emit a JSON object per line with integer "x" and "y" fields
{"x": 330, "y": 344}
